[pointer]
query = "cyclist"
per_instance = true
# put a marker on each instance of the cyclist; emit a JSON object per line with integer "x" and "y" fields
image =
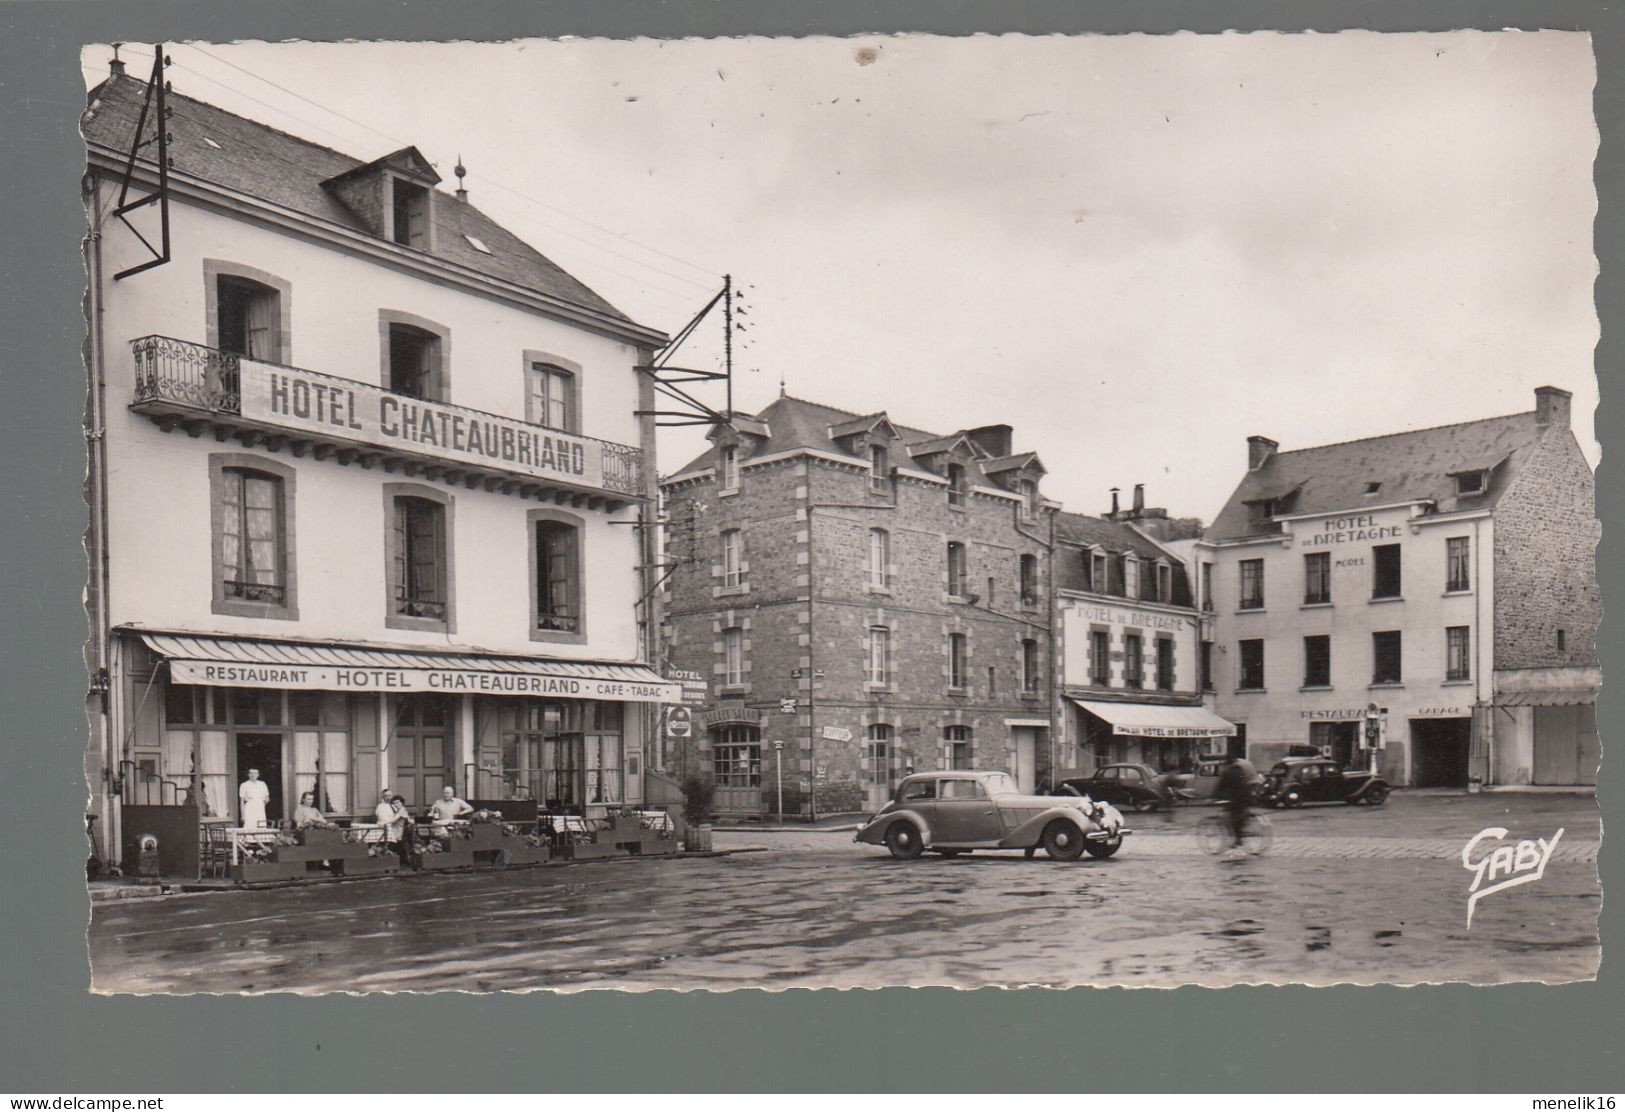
{"x": 1235, "y": 790}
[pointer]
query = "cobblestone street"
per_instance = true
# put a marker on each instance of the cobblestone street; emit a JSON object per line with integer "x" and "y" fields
{"x": 1338, "y": 900}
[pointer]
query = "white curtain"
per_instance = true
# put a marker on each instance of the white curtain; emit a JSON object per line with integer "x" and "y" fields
{"x": 218, "y": 798}
{"x": 336, "y": 769}
{"x": 306, "y": 747}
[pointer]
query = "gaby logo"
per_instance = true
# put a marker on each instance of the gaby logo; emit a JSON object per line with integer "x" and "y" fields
{"x": 1514, "y": 865}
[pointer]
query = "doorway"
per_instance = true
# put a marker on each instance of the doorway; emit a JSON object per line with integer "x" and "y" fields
{"x": 1439, "y": 752}
{"x": 264, "y": 752}
{"x": 1026, "y": 742}
{"x": 1566, "y": 743}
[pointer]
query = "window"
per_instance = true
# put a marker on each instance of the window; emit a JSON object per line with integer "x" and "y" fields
{"x": 419, "y": 574}
{"x": 413, "y": 360}
{"x": 550, "y": 397}
{"x": 962, "y": 789}
{"x": 958, "y": 584}
{"x": 1252, "y": 584}
{"x": 956, "y": 746}
{"x": 879, "y": 469}
{"x": 1131, "y": 577}
{"x": 1133, "y": 660}
{"x": 247, "y": 318}
{"x": 1562, "y": 641}
{"x": 1317, "y": 661}
{"x": 877, "y": 743}
{"x": 557, "y": 577}
{"x": 1029, "y": 666}
{"x": 736, "y": 757}
{"x": 920, "y": 791}
{"x": 1165, "y": 664}
{"x": 1373, "y": 487}
{"x": 1317, "y": 577}
{"x": 1385, "y": 582}
{"x": 879, "y": 651}
{"x": 410, "y": 205}
{"x": 879, "y": 558}
{"x": 252, "y": 549}
{"x": 1204, "y": 663}
{"x": 1458, "y": 657}
{"x": 1458, "y": 577}
{"x": 1385, "y": 657}
{"x": 956, "y": 484}
{"x": 1252, "y": 665}
{"x": 1027, "y": 577}
{"x": 733, "y": 656}
{"x": 958, "y": 661}
{"x": 1165, "y": 583}
{"x": 1207, "y": 585}
{"x": 1028, "y": 490}
{"x": 1261, "y": 512}
{"x": 733, "y": 558}
{"x": 1097, "y": 572}
{"x": 1470, "y": 482}
{"x": 1100, "y": 658}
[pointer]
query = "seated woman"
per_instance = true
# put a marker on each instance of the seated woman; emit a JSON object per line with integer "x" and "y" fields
{"x": 306, "y": 815}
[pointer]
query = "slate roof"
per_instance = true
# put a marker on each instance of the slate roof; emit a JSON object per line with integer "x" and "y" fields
{"x": 1113, "y": 536}
{"x": 263, "y": 162}
{"x": 1411, "y": 466}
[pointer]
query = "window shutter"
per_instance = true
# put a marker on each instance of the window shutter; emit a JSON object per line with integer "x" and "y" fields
{"x": 401, "y": 548}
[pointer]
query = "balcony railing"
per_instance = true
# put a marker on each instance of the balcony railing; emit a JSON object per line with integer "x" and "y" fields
{"x": 178, "y": 378}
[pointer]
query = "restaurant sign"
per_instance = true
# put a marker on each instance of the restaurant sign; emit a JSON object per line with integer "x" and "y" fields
{"x": 449, "y": 681}
{"x": 319, "y": 403}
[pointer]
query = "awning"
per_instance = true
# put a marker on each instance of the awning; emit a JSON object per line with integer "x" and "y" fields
{"x": 1552, "y": 698}
{"x": 323, "y": 666}
{"x": 1152, "y": 720}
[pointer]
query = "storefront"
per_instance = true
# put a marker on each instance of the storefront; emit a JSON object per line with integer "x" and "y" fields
{"x": 1165, "y": 737}
{"x": 527, "y": 735}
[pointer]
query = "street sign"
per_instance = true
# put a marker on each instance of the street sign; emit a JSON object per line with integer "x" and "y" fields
{"x": 679, "y": 722}
{"x": 787, "y": 706}
{"x": 696, "y": 692}
{"x": 837, "y": 733}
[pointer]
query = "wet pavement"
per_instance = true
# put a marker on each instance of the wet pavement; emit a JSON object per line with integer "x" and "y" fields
{"x": 1357, "y": 895}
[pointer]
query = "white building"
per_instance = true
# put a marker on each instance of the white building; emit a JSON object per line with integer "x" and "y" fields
{"x": 367, "y": 482}
{"x": 1445, "y": 577}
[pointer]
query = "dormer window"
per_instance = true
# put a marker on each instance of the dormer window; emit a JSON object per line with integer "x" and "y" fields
{"x": 956, "y": 484}
{"x": 1470, "y": 482}
{"x": 1373, "y": 487}
{"x": 410, "y": 208}
{"x": 1028, "y": 490}
{"x": 879, "y": 468}
{"x": 730, "y": 467}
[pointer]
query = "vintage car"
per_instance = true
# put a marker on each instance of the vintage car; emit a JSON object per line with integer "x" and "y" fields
{"x": 1299, "y": 780}
{"x": 954, "y": 812}
{"x": 1202, "y": 782}
{"x": 1123, "y": 785}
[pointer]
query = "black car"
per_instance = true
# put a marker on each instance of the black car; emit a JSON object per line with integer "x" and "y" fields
{"x": 1296, "y": 781}
{"x": 1122, "y": 785}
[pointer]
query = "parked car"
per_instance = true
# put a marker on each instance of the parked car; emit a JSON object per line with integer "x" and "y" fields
{"x": 1123, "y": 785}
{"x": 1200, "y": 784}
{"x": 1299, "y": 780}
{"x": 954, "y": 812}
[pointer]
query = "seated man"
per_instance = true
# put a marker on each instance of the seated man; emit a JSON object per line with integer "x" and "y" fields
{"x": 447, "y": 809}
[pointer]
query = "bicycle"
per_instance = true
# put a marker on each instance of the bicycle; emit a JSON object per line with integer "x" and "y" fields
{"x": 1214, "y": 834}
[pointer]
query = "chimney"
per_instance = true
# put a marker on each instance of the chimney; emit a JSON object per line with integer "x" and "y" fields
{"x": 1113, "y": 514}
{"x": 115, "y": 64}
{"x": 461, "y": 171}
{"x": 1139, "y": 499}
{"x": 1551, "y": 407}
{"x": 1259, "y": 450}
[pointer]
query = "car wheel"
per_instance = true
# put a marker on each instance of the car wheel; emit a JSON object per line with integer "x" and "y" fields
{"x": 1103, "y": 850}
{"x": 1292, "y": 799}
{"x": 903, "y": 839}
{"x": 1063, "y": 841}
{"x": 1143, "y": 804}
{"x": 1376, "y": 794}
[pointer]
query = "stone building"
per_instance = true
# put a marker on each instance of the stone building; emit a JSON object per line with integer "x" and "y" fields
{"x": 366, "y": 475}
{"x": 866, "y": 599}
{"x": 1441, "y": 582}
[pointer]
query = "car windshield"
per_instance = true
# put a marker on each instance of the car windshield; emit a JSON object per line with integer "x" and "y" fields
{"x": 1000, "y": 783}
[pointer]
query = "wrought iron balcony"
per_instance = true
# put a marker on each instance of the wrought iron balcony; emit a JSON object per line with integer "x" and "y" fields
{"x": 187, "y": 385}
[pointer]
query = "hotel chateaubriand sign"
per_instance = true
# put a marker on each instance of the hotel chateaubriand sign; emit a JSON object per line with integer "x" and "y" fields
{"x": 318, "y": 403}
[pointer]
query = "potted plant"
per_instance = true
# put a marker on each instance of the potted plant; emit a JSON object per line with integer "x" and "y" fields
{"x": 698, "y": 796}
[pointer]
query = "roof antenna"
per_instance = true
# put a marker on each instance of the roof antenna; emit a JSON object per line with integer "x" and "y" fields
{"x": 461, "y": 171}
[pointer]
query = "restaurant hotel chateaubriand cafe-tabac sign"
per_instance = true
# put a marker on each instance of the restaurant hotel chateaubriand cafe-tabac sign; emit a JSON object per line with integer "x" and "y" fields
{"x": 467, "y": 681}
{"x": 356, "y": 411}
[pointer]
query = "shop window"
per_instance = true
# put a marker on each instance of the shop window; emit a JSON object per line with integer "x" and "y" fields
{"x": 1027, "y": 577}
{"x": 733, "y": 656}
{"x": 879, "y": 655}
{"x": 252, "y": 543}
{"x": 409, "y": 205}
{"x": 958, "y": 661}
{"x": 1165, "y": 664}
{"x": 1100, "y": 658}
{"x": 879, "y": 559}
{"x": 556, "y": 592}
{"x": 1386, "y": 657}
{"x": 550, "y": 397}
{"x": 1458, "y": 573}
{"x": 1385, "y": 579}
{"x": 1252, "y": 584}
{"x": 956, "y": 484}
{"x": 736, "y": 757}
{"x": 1133, "y": 661}
{"x": 1251, "y": 676}
{"x": 1458, "y": 655}
{"x": 1317, "y": 577}
{"x": 733, "y": 558}
{"x": 1317, "y": 661}
{"x": 1029, "y": 666}
{"x": 957, "y": 750}
{"x": 420, "y": 559}
{"x": 958, "y": 571}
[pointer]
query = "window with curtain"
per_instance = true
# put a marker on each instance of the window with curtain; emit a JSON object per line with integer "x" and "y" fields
{"x": 1317, "y": 577}
{"x": 733, "y": 653}
{"x": 733, "y": 558}
{"x": 879, "y": 557}
{"x": 550, "y": 401}
{"x": 248, "y": 318}
{"x": 1458, "y": 571}
{"x": 1252, "y": 584}
{"x": 558, "y": 577}
{"x": 253, "y": 548}
{"x": 879, "y": 654}
{"x": 419, "y": 573}
{"x": 1458, "y": 654}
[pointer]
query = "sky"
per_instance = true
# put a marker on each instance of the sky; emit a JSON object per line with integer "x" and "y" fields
{"x": 1136, "y": 250}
